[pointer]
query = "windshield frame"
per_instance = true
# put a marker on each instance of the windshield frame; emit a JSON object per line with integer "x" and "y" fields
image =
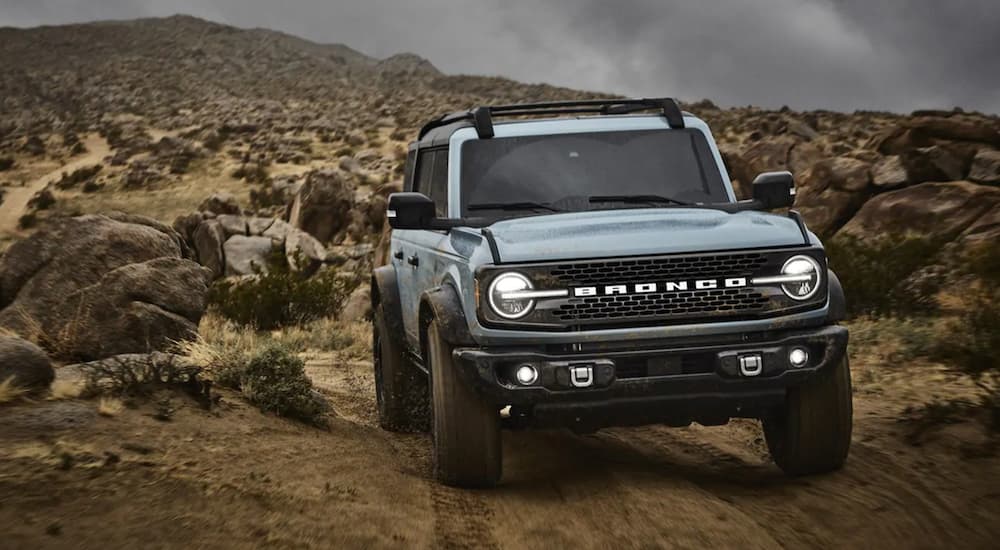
{"x": 571, "y": 126}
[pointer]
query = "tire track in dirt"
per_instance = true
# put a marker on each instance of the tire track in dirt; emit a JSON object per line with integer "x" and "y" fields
{"x": 873, "y": 498}
{"x": 462, "y": 518}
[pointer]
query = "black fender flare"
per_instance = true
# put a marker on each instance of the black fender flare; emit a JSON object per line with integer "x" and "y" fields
{"x": 838, "y": 302}
{"x": 385, "y": 292}
{"x": 443, "y": 303}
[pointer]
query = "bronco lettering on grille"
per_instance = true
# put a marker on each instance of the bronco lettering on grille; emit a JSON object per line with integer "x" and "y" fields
{"x": 650, "y": 288}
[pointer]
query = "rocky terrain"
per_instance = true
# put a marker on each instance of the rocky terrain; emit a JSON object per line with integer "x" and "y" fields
{"x": 154, "y": 174}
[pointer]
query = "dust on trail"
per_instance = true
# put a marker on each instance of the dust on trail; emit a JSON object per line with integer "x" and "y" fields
{"x": 15, "y": 201}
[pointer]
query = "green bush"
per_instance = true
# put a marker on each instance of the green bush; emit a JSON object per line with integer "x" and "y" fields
{"x": 972, "y": 342}
{"x": 275, "y": 381}
{"x": 281, "y": 297}
{"x": 874, "y": 273}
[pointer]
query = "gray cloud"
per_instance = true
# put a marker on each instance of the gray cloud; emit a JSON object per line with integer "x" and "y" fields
{"x": 839, "y": 54}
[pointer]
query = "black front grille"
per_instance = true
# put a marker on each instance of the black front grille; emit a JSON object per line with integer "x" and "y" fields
{"x": 697, "y": 303}
{"x": 677, "y": 296}
{"x": 657, "y": 269}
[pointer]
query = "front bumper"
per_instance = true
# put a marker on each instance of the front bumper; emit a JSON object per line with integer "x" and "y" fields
{"x": 674, "y": 384}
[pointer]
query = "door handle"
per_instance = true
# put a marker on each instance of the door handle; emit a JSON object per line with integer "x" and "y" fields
{"x": 398, "y": 254}
{"x": 413, "y": 260}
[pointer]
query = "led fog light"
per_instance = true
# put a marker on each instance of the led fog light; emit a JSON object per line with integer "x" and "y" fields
{"x": 526, "y": 375}
{"x": 798, "y": 357}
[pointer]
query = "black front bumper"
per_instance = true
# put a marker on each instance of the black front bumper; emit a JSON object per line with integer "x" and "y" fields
{"x": 674, "y": 384}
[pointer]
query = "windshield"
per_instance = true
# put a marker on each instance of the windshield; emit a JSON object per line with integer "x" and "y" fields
{"x": 565, "y": 171}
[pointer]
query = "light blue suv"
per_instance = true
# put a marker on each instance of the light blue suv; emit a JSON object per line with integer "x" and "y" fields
{"x": 586, "y": 264}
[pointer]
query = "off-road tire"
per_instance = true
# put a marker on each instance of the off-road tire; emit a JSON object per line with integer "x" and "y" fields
{"x": 812, "y": 433}
{"x": 467, "y": 447}
{"x": 401, "y": 389}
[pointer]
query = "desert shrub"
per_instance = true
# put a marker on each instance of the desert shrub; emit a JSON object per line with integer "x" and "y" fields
{"x": 43, "y": 200}
{"x": 267, "y": 373}
{"x": 6, "y": 163}
{"x": 27, "y": 221}
{"x": 894, "y": 340}
{"x": 266, "y": 197}
{"x": 251, "y": 172}
{"x": 140, "y": 374}
{"x": 970, "y": 342}
{"x": 280, "y": 297}
{"x": 874, "y": 274}
{"x": 81, "y": 175}
{"x": 275, "y": 381}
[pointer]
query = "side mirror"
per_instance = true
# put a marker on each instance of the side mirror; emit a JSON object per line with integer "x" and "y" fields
{"x": 773, "y": 190}
{"x": 410, "y": 211}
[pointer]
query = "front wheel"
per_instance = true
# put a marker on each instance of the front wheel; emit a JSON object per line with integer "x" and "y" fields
{"x": 400, "y": 387}
{"x": 811, "y": 434}
{"x": 466, "y": 428}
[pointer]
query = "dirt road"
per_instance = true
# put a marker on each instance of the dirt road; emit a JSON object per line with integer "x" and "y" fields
{"x": 16, "y": 199}
{"x": 236, "y": 478}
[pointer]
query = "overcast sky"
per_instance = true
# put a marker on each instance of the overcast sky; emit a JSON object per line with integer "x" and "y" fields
{"x": 897, "y": 55}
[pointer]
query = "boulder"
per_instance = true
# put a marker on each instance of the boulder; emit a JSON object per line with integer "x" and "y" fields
{"x": 220, "y": 203}
{"x": 889, "y": 173}
{"x": 358, "y": 305}
{"x": 208, "y": 240}
{"x": 94, "y": 285}
{"x": 303, "y": 251}
{"x": 831, "y": 191}
{"x": 24, "y": 364}
{"x": 138, "y": 308}
{"x": 256, "y": 226}
{"x": 933, "y": 163}
{"x": 73, "y": 253}
{"x": 247, "y": 255}
{"x": 277, "y": 231}
{"x": 926, "y": 131}
{"x": 322, "y": 206}
{"x": 233, "y": 224}
{"x": 986, "y": 167}
{"x": 939, "y": 210}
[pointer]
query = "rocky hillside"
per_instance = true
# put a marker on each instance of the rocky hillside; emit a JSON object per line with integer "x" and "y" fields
{"x": 191, "y": 108}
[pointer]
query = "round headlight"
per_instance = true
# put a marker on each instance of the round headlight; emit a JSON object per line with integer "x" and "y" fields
{"x": 505, "y": 305}
{"x": 807, "y": 273}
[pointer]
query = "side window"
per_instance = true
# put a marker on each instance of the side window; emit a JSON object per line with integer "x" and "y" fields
{"x": 425, "y": 168}
{"x": 439, "y": 183}
{"x": 411, "y": 157}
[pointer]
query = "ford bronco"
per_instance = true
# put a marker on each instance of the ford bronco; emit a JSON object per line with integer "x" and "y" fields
{"x": 587, "y": 264}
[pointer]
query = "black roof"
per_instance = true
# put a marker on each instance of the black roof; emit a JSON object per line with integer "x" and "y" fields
{"x": 481, "y": 118}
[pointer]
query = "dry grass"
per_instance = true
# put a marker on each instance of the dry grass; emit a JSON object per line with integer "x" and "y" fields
{"x": 65, "y": 389}
{"x": 110, "y": 406}
{"x": 10, "y": 392}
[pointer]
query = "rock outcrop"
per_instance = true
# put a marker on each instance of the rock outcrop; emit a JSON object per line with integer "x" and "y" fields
{"x": 24, "y": 364}
{"x": 93, "y": 286}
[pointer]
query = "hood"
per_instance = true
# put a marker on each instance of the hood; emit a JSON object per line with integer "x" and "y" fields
{"x": 639, "y": 232}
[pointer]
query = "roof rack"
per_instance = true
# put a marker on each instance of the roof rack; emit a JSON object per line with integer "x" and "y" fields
{"x": 482, "y": 117}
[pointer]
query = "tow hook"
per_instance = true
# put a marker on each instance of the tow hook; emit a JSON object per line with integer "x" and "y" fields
{"x": 751, "y": 364}
{"x": 581, "y": 377}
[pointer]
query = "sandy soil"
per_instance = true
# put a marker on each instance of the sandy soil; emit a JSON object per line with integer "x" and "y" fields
{"x": 233, "y": 477}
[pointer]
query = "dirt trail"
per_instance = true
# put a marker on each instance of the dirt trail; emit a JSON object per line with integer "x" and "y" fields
{"x": 236, "y": 478}
{"x": 16, "y": 199}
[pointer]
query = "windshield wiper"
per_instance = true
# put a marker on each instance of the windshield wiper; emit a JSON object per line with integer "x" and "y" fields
{"x": 513, "y": 206}
{"x": 638, "y": 199}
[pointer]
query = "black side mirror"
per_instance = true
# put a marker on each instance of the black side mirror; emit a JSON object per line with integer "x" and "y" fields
{"x": 773, "y": 190}
{"x": 410, "y": 211}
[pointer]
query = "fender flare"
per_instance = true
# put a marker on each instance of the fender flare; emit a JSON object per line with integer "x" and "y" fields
{"x": 442, "y": 303}
{"x": 838, "y": 302}
{"x": 385, "y": 292}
